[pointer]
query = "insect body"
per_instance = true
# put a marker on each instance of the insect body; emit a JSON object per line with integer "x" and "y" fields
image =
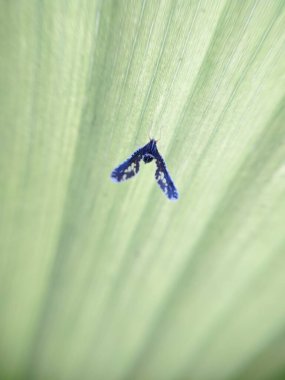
{"x": 147, "y": 153}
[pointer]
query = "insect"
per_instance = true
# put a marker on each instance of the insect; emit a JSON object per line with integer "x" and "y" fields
{"x": 147, "y": 153}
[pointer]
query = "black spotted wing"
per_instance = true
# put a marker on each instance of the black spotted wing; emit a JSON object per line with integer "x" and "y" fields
{"x": 128, "y": 168}
{"x": 163, "y": 178}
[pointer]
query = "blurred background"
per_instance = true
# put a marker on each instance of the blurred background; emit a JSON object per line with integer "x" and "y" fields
{"x": 113, "y": 281}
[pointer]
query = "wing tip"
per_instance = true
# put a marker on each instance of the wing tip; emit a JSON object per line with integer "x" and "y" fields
{"x": 114, "y": 178}
{"x": 174, "y": 197}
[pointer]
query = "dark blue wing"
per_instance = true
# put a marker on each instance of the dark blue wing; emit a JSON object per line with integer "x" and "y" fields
{"x": 128, "y": 168}
{"x": 164, "y": 180}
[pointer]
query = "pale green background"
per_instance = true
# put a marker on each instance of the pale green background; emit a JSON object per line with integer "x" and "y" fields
{"x": 107, "y": 281}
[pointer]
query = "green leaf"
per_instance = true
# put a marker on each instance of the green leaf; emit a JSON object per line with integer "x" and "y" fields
{"x": 112, "y": 281}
